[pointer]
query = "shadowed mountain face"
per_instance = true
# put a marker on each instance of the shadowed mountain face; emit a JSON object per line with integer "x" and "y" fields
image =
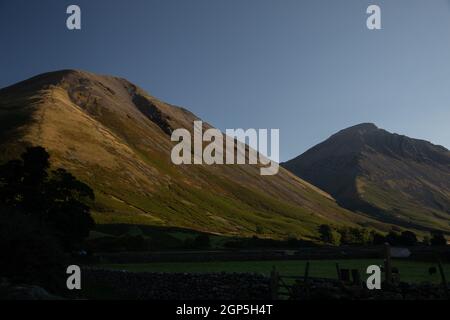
{"x": 391, "y": 177}
{"x": 116, "y": 138}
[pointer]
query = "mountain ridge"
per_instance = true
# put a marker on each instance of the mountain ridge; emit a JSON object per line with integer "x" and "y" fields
{"x": 393, "y": 178}
{"x": 115, "y": 137}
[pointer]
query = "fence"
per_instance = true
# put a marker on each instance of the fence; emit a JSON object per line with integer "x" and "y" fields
{"x": 283, "y": 286}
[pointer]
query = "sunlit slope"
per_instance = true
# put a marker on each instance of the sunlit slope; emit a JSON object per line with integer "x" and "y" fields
{"x": 116, "y": 137}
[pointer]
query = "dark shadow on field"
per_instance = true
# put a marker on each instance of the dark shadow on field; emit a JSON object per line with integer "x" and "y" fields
{"x": 127, "y": 237}
{"x": 122, "y": 228}
{"x": 124, "y": 243}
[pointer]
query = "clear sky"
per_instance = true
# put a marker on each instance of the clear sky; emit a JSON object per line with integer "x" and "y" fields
{"x": 307, "y": 67}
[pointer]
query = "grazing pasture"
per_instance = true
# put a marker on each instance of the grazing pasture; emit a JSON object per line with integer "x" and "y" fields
{"x": 410, "y": 271}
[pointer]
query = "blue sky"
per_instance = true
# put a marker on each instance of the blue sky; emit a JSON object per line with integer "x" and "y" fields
{"x": 309, "y": 68}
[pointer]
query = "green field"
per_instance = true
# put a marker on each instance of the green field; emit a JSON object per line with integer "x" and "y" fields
{"x": 410, "y": 271}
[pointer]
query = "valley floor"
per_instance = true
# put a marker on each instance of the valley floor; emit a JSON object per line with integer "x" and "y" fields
{"x": 410, "y": 271}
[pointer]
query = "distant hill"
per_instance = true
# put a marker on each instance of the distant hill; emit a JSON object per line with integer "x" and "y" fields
{"x": 390, "y": 177}
{"x": 116, "y": 138}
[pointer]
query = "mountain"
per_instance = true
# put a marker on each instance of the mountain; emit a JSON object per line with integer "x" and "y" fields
{"x": 390, "y": 177}
{"x": 115, "y": 137}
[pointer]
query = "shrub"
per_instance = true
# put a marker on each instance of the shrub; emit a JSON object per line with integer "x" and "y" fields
{"x": 355, "y": 236}
{"x": 378, "y": 238}
{"x": 393, "y": 238}
{"x": 328, "y": 235}
{"x": 408, "y": 238}
{"x": 438, "y": 239}
{"x": 426, "y": 240}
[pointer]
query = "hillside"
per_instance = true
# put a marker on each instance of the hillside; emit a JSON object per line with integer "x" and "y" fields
{"x": 390, "y": 177}
{"x": 116, "y": 137}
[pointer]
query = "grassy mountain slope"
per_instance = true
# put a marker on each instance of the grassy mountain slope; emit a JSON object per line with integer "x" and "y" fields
{"x": 393, "y": 178}
{"x": 116, "y": 137}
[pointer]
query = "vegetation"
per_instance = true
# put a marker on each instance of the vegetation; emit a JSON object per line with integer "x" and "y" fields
{"x": 347, "y": 235}
{"x": 438, "y": 239}
{"x": 123, "y": 237}
{"x": 119, "y": 237}
{"x": 383, "y": 175}
{"x": 406, "y": 238}
{"x": 259, "y": 243}
{"x": 328, "y": 235}
{"x": 410, "y": 271}
{"x": 364, "y": 236}
{"x": 121, "y": 149}
{"x": 44, "y": 215}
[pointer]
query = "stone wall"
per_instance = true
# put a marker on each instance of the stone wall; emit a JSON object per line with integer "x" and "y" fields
{"x": 178, "y": 286}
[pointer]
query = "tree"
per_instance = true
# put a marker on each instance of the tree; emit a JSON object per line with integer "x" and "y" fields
{"x": 355, "y": 236}
{"x": 378, "y": 238}
{"x": 67, "y": 211}
{"x": 335, "y": 238}
{"x": 408, "y": 238}
{"x": 438, "y": 239}
{"x": 325, "y": 232}
{"x": 43, "y": 215}
{"x": 22, "y": 181}
{"x": 328, "y": 235}
{"x": 393, "y": 238}
{"x": 56, "y": 199}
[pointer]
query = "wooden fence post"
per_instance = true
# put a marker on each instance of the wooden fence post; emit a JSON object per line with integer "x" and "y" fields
{"x": 338, "y": 270}
{"x": 443, "y": 279}
{"x": 356, "y": 277}
{"x": 306, "y": 276}
{"x": 306, "y": 279}
{"x": 387, "y": 263}
{"x": 274, "y": 284}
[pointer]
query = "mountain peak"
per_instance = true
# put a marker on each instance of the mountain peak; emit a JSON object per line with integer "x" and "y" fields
{"x": 364, "y": 125}
{"x": 46, "y": 79}
{"x": 360, "y": 128}
{"x": 114, "y": 136}
{"x": 395, "y": 178}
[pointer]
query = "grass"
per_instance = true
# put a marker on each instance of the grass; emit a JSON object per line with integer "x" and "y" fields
{"x": 410, "y": 271}
{"x": 95, "y": 132}
{"x": 126, "y": 160}
{"x": 402, "y": 210}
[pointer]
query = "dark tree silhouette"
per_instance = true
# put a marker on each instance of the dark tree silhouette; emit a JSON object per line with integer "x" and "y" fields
{"x": 438, "y": 239}
{"x": 329, "y": 235}
{"x": 56, "y": 199}
{"x": 67, "y": 212}
{"x": 393, "y": 238}
{"x": 326, "y": 233}
{"x": 378, "y": 238}
{"x": 408, "y": 238}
